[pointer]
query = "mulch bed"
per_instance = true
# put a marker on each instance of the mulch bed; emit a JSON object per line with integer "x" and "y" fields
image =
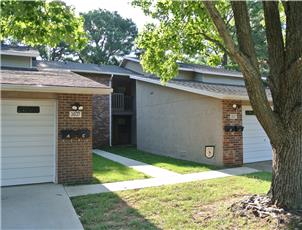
{"x": 262, "y": 207}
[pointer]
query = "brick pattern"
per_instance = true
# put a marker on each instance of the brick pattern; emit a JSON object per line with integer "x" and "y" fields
{"x": 232, "y": 141}
{"x": 101, "y": 121}
{"x": 74, "y": 158}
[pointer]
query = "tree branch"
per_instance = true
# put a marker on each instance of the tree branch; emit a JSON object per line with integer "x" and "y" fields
{"x": 246, "y": 58}
{"x": 275, "y": 44}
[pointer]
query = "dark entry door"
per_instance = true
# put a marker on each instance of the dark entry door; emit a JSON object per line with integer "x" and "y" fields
{"x": 121, "y": 130}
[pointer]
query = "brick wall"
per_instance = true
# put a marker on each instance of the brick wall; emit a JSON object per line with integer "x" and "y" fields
{"x": 100, "y": 111}
{"x": 74, "y": 160}
{"x": 232, "y": 141}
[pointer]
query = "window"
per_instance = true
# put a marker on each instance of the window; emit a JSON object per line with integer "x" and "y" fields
{"x": 28, "y": 109}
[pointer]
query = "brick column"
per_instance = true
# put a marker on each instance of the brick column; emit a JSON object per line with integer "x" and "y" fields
{"x": 74, "y": 157}
{"x": 100, "y": 111}
{"x": 232, "y": 141}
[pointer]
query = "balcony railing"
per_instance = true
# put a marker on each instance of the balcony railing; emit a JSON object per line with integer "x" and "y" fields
{"x": 121, "y": 103}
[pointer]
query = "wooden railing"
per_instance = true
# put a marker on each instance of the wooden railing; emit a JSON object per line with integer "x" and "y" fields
{"x": 121, "y": 102}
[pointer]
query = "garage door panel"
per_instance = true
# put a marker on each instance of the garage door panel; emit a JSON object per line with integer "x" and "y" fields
{"x": 256, "y": 144}
{"x": 32, "y": 151}
{"x": 39, "y": 130}
{"x": 26, "y": 180}
{"x": 27, "y": 138}
{"x": 34, "y": 143}
{"x": 27, "y": 172}
{"x": 7, "y": 162}
{"x": 32, "y": 122}
{"x": 28, "y": 142}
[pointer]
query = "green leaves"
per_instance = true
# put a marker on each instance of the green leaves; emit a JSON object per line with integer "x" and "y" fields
{"x": 185, "y": 32}
{"x": 42, "y": 23}
{"x": 110, "y": 37}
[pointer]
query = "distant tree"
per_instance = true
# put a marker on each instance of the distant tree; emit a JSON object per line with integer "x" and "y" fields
{"x": 41, "y": 23}
{"x": 59, "y": 53}
{"x": 110, "y": 38}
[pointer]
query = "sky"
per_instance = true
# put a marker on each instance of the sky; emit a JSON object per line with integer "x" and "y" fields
{"x": 123, "y": 7}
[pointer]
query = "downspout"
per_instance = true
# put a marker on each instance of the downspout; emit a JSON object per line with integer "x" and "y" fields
{"x": 110, "y": 113}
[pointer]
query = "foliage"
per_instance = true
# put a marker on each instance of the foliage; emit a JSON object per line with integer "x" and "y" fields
{"x": 41, "y": 23}
{"x": 186, "y": 33}
{"x": 182, "y": 30}
{"x": 110, "y": 37}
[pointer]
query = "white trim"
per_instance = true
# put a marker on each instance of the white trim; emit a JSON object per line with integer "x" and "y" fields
{"x": 55, "y": 89}
{"x": 110, "y": 113}
{"x": 84, "y": 71}
{"x": 193, "y": 69}
{"x": 55, "y": 175}
{"x": 19, "y": 53}
{"x": 192, "y": 90}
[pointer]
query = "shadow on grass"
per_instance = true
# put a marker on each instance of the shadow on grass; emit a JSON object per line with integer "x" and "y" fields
{"x": 154, "y": 159}
{"x": 109, "y": 211}
{"x": 264, "y": 176}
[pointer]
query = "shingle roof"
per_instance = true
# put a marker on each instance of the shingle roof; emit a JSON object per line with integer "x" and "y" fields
{"x": 220, "y": 91}
{"x": 48, "y": 79}
{"x": 198, "y": 68}
{"x": 19, "y": 50}
{"x": 210, "y": 70}
{"x": 83, "y": 67}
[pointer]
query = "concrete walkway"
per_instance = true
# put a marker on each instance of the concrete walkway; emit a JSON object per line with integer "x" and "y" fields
{"x": 153, "y": 182}
{"x": 40, "y": 206}
{"x": 262, "y": 166}
{"x": 147, "y": 169}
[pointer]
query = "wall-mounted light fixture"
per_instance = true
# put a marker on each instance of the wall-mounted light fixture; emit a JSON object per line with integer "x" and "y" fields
{"x": 235, "y": 106}
{"x": 77, "y": 107}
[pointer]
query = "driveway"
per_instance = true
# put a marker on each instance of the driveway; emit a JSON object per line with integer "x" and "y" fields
{"x": 43, "y": 206}
{"x": 262, "y": 165}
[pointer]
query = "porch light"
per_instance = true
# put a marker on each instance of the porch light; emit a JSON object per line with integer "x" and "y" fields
{"x": 77, "y": 107}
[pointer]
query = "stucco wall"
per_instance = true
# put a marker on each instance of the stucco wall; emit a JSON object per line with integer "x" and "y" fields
{"x": 15, "y": 61}
{"x": 178, "y": 124}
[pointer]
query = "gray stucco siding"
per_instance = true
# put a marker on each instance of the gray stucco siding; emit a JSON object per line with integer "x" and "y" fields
{"x": 15, "y": 61}
{"x": 179, "y": 124}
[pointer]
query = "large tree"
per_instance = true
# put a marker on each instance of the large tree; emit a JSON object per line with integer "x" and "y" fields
{"x": 41, "y": 23}
{"x": 110, "y": 37}
{"x": 184, "y": 25}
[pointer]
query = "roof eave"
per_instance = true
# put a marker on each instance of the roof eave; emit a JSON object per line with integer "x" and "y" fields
{"x": 196, "y": 91}
{"x": 56, "y": 89}
{"x": 84, "y": 71}
{"x": 21, "y": 54}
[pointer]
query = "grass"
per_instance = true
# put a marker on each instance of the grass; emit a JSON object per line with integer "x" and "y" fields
{"x": 105, "y": 170}
{"x": 195, "y": 205}
{"x": 175, "y": 165}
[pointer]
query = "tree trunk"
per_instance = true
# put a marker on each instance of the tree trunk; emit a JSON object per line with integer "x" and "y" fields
{"x": 286, "y": 187}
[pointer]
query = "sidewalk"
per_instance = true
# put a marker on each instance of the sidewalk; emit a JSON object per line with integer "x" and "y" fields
{"x": 153, "y": 182}
{"x": 147, "y": 169}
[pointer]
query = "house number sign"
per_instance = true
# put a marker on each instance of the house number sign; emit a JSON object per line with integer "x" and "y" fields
{"x": 75, "y": 114}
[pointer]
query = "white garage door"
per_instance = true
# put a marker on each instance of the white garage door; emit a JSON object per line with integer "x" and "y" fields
{"x": 27, "y": 141}
{"x": 256, "y": 145}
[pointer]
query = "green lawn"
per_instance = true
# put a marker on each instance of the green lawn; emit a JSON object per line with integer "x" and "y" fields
{"x": 195, "y": 205}
{"x": 105, "y": 170}
{"x": 175, "y": 165}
